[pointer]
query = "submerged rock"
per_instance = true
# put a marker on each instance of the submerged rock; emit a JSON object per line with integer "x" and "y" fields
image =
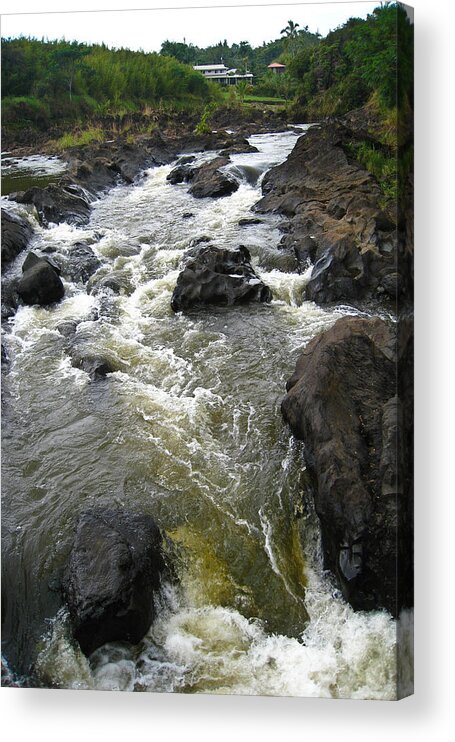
{"x": 96, "y": 366}
{"x": 16, "y": 234}
{"x": 249, "y": 221}
{"x": 114, "y": 569}
{"x": 40, "y": 282}
{"x": 67, "y": 328}
{"x": 79, "y": 263}
{"x": 342, "y": 402}
{"x": 214, "y": 275}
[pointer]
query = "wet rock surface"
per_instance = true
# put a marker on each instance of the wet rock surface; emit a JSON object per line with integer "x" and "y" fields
{"x": 66, "y": 202}
{"x": 180, "y": 174}
{"x": 95, "y": 168}
{"x": 333, "y": 201}
{"x": 96, "y": 366}
{"x": 213, "y": 275}
{"x": 16, "y": 234}
{"x": 40, "y": 282}
{"x": 208, "y": 180}
{"x": 113, "y": 571}
{"x": 79, "y": 263}
{"x": 342, "y": 402}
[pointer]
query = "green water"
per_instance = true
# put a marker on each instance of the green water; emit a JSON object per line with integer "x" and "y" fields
{"x": 20, "y": 174}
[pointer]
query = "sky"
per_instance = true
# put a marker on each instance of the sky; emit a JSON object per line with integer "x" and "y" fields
{"x": 147, "y": 23}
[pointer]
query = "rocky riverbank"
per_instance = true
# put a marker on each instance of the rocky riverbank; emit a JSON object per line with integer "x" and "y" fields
{"x": 95, "y": 168}
{"x": 252, "y": 119}
{"x": 338, "y": 223}
{"x": 350, "y": 398}
{"x": 345, "y": 400}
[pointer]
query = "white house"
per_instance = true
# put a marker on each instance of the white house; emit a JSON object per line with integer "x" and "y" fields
{"x": 222, "y": 74}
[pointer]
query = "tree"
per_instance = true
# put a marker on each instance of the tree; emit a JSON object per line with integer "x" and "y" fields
{"x": 291, "y": 36}
{"x": 186, "y": 53}
{"x": 291, "y": 30}
{"x": 242, "y": 89}
{"x": 69, "y": 59}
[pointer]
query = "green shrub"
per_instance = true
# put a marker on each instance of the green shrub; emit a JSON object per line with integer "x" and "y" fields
{"x": 23, "y": 111}
{"x": 382, "y": 165}
{"x": 77, "y": 139}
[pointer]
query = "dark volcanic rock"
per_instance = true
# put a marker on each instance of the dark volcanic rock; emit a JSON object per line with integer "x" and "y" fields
{"x": 96, "y": 366}
{"x": 10, "y": 298}
{"x": 239, "y": 147}
{"x": 93, "y": 169}
{"x": 40, "y": 282}
{"x": 100, "y": 166}
{"x": 186, "y": 159}
{"x": 342, "y": 402}
{"x": 332, "y": 199}
{"x": 96, "y": 172}
{"x": 180, "y": 174}
{"x": 218, "y": 276}
{"x": 59, "y": 203}
{"x": 208, "y": 181}
{"x": 79, "y": 263}
{"x": 16, "y": 233}
{"x": 249, "y": 221}
{"x": 249, "y": 120}
{"x": 67, "y": 328}
{"x": 199, "y": 240}
{"x": 5, "y": 357}
{"x": 113, "y": 571}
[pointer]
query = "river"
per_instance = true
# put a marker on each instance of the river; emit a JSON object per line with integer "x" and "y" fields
{"x": 189, "y": 430}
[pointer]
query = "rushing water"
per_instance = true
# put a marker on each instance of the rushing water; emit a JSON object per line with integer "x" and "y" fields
{"x": 189, "y": 430}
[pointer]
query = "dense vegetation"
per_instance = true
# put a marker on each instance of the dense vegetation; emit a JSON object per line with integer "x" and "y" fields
{"x": 364, "y": 63}
{"x": 324, "y": 76}
{"x": 45, "y": 82}
{"x": 359, "y": 60}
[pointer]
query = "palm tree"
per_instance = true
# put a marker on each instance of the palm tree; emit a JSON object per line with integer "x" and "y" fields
{"x": 290, "y": 30}
{"x": 242, "y": 89}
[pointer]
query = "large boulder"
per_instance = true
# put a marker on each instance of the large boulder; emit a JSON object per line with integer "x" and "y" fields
{"x": 114, "y": 569}
{"x": 40, "y": 282}
{"x": 16, "y": 233}
{"x": 213, "y": 275}
{"x": 58, "y": 203}
{"x": 208, "y": 180}
{"x": 93, "y": 171}
{"x": 343, "y": 401}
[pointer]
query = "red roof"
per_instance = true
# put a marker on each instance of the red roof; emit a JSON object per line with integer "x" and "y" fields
{"x": 276, "y": 64}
